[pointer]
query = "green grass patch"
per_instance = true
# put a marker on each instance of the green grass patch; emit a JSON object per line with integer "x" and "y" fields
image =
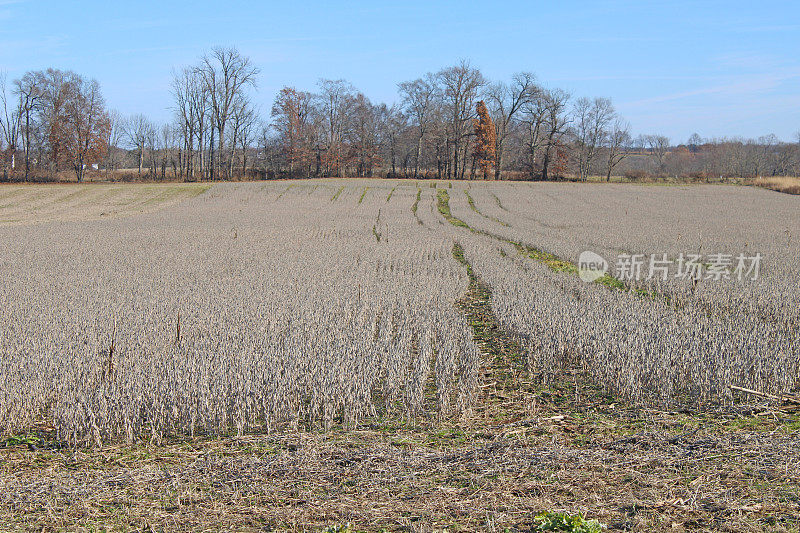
{"x": 197, "y": 190}
{"x": 564, "y": 522}
{"x": 499, "y": 203}
{"x": 416, "y": 202}
{"x": 285, "y": 191}
{"x": 458, "y": 254}
{"x": 553, "y": 262}
{"x": 486, "y": 329}
{"x": 163, "y": 194}
{"x": 443, "y": 202}
{"x": 363, "y": 194}
{"x": 20, "y": 440}
{"x": 471, "y": 201}
{"x": 335, "y": 196}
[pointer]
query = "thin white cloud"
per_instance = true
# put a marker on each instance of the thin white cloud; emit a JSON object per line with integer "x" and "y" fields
{"x": 743, "y": 85}
{"x": 631, "y": 77}
{"x": 11, "y": 50}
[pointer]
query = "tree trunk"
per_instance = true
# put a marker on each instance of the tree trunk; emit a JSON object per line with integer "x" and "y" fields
{"x": 221, "y": 150}
{"x": 201, "y": 149}
{"x": 453, "y": 171}
{"x": 545, "y": 163}
{"x": 27, "y": 143}
{"x": 419, "y": 155}
{"x": 498, "y": 161}
{"x": 464, "y": 160}
{"x": 211, "y": 156}
{"x": 546, "y": 160}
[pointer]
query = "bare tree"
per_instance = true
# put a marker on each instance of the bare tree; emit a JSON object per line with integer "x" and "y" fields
{"x": 694, "y": 142}
{"x": 153, "y": 145}
{"x": 658, "y": 145}
{"x": 226, "y": 75}
{"x": 86, "y": 125}
{"x": 115, "y": 134}
{"x": 616, "y": 145}
{"x": 768, "y": 156}
{"x": 9, "y": 123}
{"x": 138, "y": 131}
{"x": 363, "y": 134}
{"x": 166, "y": 142}
{"x": 243, "y": 122}
{"x": 269, "y": 150}
{"x": 591, "y": 120}
{"x": 460, "y": 86}
{"x": 418, "y": 97}
{"x": 532, "y": 125}
{"x": 392, "y": 123}
{"x": 29, "y": 92}
{"x": 190, "y": 105}
{"x": 293, "y": 119}
{"x": 335, "y": 98}
{"x": 199, "y": 103}
{"x": 555, "y": 124}
{"x": 506, "y": 102}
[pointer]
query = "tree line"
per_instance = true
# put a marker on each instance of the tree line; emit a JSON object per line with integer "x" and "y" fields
{"x": 58, "y": 120}
{"x": 454, "y": 123}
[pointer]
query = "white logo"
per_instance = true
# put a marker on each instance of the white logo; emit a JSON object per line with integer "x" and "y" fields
{"x": 591, "y": 266}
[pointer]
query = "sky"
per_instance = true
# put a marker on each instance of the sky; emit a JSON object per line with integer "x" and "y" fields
{"x": 717, "y": 68}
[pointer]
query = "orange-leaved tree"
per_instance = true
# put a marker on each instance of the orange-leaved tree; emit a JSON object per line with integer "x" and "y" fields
{"x": 484, "y": 140}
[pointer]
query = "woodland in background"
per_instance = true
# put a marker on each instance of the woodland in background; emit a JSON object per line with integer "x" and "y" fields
{"x": 453, "y": 124}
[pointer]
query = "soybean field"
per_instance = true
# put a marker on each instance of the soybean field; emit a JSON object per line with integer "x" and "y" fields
{"x": 386, "y": 352}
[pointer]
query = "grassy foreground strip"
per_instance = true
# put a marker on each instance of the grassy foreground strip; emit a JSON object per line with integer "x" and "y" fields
{"x": 502, "y": 351}
{"x": 487, "y": 331}
{"x": 643, "y": 466}
{"x": 504, "y": 363}
{"x": 416, "y": 205}
{"x": 555, "y": 263}
{"x": 443, "y": 203}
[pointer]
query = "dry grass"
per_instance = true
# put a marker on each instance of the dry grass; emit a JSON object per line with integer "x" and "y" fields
{"x": 632, "y": 471}
{"x": 22, "y": 204}
{"x": 523, "y": 449}
{"x": 784, "y": 184}
{"x": 530, "y": 442}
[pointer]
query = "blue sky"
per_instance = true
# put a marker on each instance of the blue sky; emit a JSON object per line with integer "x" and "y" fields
{"x": 712, "y": 67}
